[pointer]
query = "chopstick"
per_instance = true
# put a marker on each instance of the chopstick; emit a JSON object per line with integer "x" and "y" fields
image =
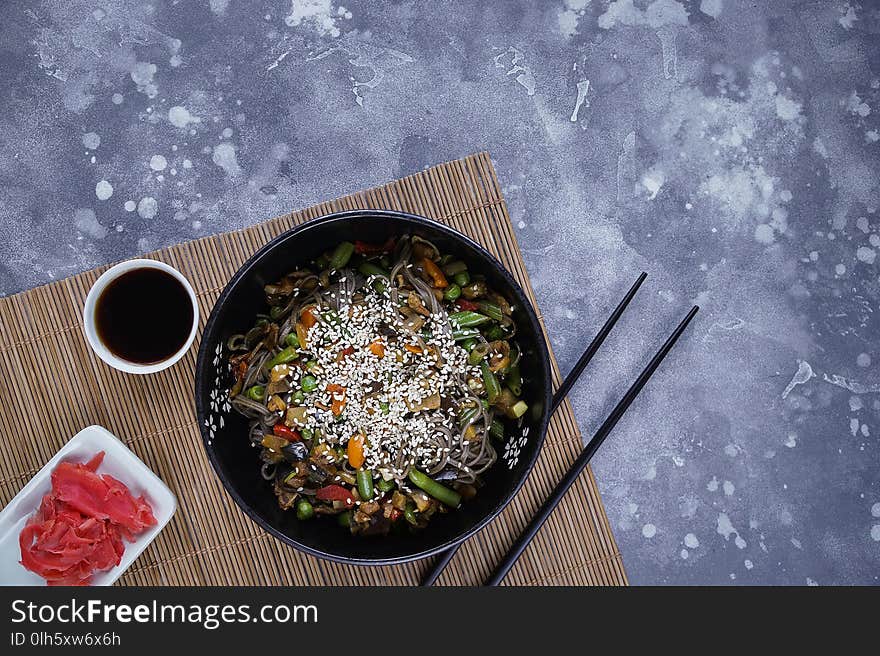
{"x": 583, "y": 459}
{"x": 588, "y": 354}
{"x": 434, "y": 573}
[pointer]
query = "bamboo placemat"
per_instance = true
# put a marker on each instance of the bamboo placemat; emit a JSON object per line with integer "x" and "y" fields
{"x": 53, "y": 386}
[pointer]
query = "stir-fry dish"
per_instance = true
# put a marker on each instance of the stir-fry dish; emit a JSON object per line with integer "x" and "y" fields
{"x": 377, "y": 383}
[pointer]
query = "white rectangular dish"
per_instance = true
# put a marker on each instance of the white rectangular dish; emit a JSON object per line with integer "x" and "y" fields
{"x": 120, "y": 463}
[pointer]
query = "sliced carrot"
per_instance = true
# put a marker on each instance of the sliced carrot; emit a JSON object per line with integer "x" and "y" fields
{"x": 355, "y": 451}
{"x": 377, "y": 348}
{"x": 336, "y": 405}
{"x": 344, "y": 352}
{"x": 413, "y": 349}
{"x": 308, "y": 318}
{"x": 434, "y": 271}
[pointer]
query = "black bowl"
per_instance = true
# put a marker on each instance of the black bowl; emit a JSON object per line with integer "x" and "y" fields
{"x": 224, "y": 431}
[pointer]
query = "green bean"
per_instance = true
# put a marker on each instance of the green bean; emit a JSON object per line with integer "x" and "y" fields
{"x": 304, "y": 510}
{"x": 440, "y": 492}
{"x": 493, "y": 311}
{"x": 292, "y": 339}
{"x": 479, "y": 352}
{"x": 468, "y": 319}
{"x": 308, "y": 384}
{"x": 496, "y": 429}
{"x": 464, "y": 333}
{"x": 469, "y": 344}
{"x": 256, "y": 393}
{"x": 519, "y": 409}
{"x": 284, "y": 356}
{"x": 462, "y": 279}
{"x": 466, "y": 415}
{"x": 371, "y": 269}
{"x": 454, "y": 267}
{"x": 236, "y": 343}
{"x": 364, "y": 484}
{"x": 490, "y": 382}
{"x": 452, "y": 292}
{"x": 494, "y": 333}
{"x": 385, "y": 486}
{"x": 344, "y": 519}
{"x": 514, "y": 379}
{"x": 410, "y": 516}
{"x": 476, "y": 289}
{"x": 341, "y": 255}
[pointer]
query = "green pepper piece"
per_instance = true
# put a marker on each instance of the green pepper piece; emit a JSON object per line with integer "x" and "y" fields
{"x": 341, "y": 255}
{"x": 284, "y": 356}
{"x": 385, "y": 486}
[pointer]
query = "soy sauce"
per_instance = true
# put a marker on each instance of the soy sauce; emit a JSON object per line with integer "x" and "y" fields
{"x": 144, "y": 316}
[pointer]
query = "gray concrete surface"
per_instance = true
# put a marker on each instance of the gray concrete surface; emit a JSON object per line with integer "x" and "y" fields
{"x": 728, "y": 148}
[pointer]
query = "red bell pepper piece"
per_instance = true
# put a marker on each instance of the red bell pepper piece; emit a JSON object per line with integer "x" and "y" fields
{"x": 364, "y": 248}
{"x": 470, "y": 306}
{"x": 288, "y": 434}
{"x": 348, "y": 350}
{"x": 334, "y": 493}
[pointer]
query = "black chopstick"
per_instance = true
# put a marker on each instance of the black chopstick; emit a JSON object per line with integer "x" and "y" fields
{"x": 584, "y": 360}
{"x": 434, "y": 573}
{"x": 584, "y": 458}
